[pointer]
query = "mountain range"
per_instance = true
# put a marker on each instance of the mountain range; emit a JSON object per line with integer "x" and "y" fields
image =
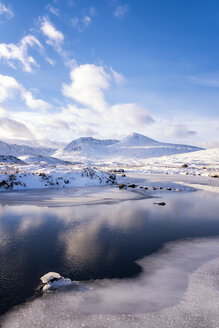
{"x": 85, "y": 149}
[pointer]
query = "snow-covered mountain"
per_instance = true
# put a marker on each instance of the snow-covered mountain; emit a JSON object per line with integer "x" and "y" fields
{"x": 20, "y": 150}
{"x": 85, "y": 147}
{"x": 136, "y": 140}
{"x": 134, "y": 147}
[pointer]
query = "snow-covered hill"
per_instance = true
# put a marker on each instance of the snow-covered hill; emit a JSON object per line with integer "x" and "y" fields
{"x": 204, "y": 162}
{"x": 10, "y": 159}
{"x": 132, "y": 148}
{"x": 85, "y": 148}
{"x": 20, "y": 150}
{"x": 32, "y": 159}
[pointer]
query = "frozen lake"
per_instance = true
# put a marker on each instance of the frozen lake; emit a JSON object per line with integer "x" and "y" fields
{"x": 97, "y": 235}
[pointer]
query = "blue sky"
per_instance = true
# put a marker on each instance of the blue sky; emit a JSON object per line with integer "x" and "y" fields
{"x": 106, "y": 68}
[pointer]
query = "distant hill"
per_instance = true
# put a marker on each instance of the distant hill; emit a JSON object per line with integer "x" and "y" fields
{"x": 133, "y": 147}
{"x": 34, "y": 159}
{"x": 20, "y": 150}
{"x": 8, "y": 159}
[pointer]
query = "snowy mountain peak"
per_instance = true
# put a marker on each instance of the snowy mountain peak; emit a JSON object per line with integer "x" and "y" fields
{"x": 136, "y": 139}
{"x": 84, "y": 142}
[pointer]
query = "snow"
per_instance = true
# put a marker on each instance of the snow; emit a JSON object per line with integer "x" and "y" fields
{"x": 204, "y": 162}
{"x": 89, "y": 158}
{"x": 50, "y": 276}
{"x": 33, "y": 176}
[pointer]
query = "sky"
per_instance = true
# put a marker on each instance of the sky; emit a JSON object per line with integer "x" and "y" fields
{"x": 107, "y": 68}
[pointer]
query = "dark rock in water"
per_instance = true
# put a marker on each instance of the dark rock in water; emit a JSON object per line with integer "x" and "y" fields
{"x": 122, "y": 186}
{"x": 132, "y": 186}
{"x": 145, "y": 188}
{"x": 141, "y": 187}
{"x": 123, "y": 175}
{"x": 187, "y": 173}
{"x": 168, "y": 188}
{"x": 160, "y": 203}
{"x": 154, "y": 188}
{"x": 184, "y": 165}
{"x": 119, "y": 171}
{"x": 161, "y": 187}
{"x": 214, "y": 175}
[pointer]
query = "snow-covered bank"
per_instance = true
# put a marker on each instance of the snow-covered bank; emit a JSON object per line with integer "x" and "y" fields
{"x": 19, "y": 177}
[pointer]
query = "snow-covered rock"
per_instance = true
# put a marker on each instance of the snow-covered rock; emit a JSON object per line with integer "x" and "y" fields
{"x": 53, "y": 280}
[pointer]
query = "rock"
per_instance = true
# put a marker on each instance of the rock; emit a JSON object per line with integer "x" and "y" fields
{"x": 154, "y": 188}
{"x": 132, "y": 186}
{"x": 50, "y": 277}
{"x": 161, "y": 187}
{"x": 53, "y": 280}
{"x": 123, "y": 175}
{"x": 122, "y": 186}
{"x": 214, "y": 175}
{"x": 112, "y": 178}
{"x": 168, "y": 188}
{"x": 118, "y": 170}
{"x": 184, "y": 165}
{"x": 160, "y": 203}
{"x": 145, "y": 188}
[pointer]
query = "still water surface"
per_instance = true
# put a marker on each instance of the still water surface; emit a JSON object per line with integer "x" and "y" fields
{"x": 91, "y": 233}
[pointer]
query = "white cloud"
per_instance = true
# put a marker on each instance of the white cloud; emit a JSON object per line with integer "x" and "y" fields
{"x": 178, "y": 131}
{"x": 130, "y": 116}
{"x": 9, "y": 87}
{"x": 74, "y": 21}
{"x": 19, "y": 53}
{"x": 86, "y": 20}
{"x": 121, "y": 11}
{"x": 13, "y": 129}
{"x": 55, "y": 37}
{"x": 119, "y": 78}
{"x": 7, "y": 11}
{"x": 209, "y": 81}
{"x": 53, "y": 10}
{"x": 88, "y": 83}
